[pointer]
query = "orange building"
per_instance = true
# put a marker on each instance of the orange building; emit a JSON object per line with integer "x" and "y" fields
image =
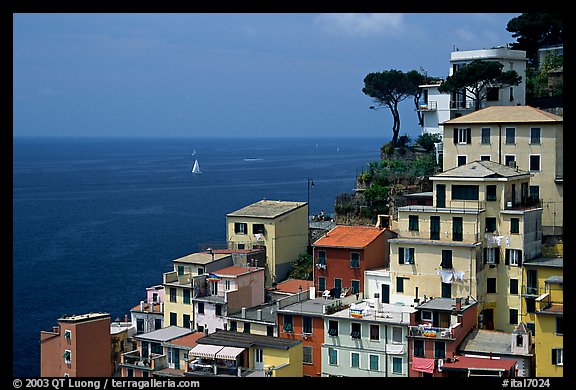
{"x": 344, "y": 253}
{"x": 79, "y": 346}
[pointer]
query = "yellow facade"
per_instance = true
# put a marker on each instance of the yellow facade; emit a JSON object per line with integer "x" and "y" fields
{"x": 544, "y": 289}
{"x": 178, "y": 306}
{"x": 284, "y": 362}
{"x": 548, "y": 149}
{"x": 280, "y": 227}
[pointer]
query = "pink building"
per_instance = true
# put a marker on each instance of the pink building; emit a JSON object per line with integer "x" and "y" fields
{"x": 79, "y": 346}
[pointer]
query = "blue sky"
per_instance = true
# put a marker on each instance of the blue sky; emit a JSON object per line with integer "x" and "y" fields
{"x": 227, "y": 74}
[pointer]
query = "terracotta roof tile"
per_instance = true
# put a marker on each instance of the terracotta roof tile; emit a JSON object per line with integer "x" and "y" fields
{"x": 343, "y": 236}
{"x": 292, "y": 285}
{"x": 234, "y": 270}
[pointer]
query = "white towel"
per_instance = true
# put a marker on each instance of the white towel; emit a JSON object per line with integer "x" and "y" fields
{"x": 446, "y": 275}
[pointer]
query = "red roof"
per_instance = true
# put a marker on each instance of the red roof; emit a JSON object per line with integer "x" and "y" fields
{"x": 188, "y": 340}
{"x": 343, "y": 236}
{"x": 155, "y": 307}
{"x": 292, "y": 285}
{"x": 234, "y": 270}
{"x": 466, "y": 362}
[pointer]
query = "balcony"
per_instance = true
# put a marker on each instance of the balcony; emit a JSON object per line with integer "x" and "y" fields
{"x": 134, "y": 359}
{"x": 435, "y": 332}
{"x": 527, "y": 204}
{"x": 428, "y": 106}
{"x": 462, "y": 105}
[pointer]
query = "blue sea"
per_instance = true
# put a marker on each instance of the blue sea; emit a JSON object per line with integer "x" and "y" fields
{"x": 97, "y": 220}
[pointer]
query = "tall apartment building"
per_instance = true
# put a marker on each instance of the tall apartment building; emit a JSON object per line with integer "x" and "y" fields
{"x": 278, "y": 227}
{"x": 79, "y": 346}
{"x": 471, "y": 242}
{"x": 523, "y": 137}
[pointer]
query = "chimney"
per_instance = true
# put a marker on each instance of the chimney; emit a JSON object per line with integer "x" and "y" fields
{"x": 125, "y": 317}
{"x": 458, "y": 304}
{"x": 243, "y": 312}
{"x": 141, "y": 305}
{"x": 416, "y": 299}
{"x": 259, "y": 314}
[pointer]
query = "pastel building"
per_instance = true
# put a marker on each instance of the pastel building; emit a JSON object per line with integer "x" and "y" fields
{"x": 343, "y": 255}
{"x": 79, "y": 346}
{"x": 278, "y": 227}
{"x": 367, "y": 339}
{"x": 148, "y": 315}
{"x": 522, "y": 137}
{"x": 471, "y": 242}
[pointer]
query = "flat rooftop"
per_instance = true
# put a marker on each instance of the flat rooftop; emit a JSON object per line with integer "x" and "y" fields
{"x": 247, "y": 340}
{"x": 444, "y": 304}
{"x": 487, "y": 341}
{"x": 84, "y": 317}
{"x": 387, "y": 313}
{"x": 557, "y": 262}
{"x": 165, "y": 334}
{"x": 267, "y": 209}
{"x": 201, "y": 257}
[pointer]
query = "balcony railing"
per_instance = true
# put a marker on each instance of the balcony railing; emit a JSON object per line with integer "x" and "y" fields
{"x": 435, "y": 332}
{"x": 428, "y": 106}
{"x": 154, "y": 362}
{"x": 468, "y": 104}
{"x": 527, "y": 204}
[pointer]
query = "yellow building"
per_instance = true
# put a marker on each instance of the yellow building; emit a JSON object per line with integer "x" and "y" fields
{"x": 280, "y": 227}
{"x": 543, "y": 313}
{"x": 470, "y": 242}
{"x": 522, "y": 136}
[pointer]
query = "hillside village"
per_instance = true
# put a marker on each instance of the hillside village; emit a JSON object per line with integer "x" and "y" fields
{"x": 464, "y": 280}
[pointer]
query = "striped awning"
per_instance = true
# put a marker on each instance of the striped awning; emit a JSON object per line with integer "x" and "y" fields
{"x": 229, "y": 353}
{"x": 207, "y": 351}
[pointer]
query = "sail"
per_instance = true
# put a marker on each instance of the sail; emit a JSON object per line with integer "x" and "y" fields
{"x": 196, "y": 168}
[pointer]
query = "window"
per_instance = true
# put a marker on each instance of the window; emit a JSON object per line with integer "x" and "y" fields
{"x": 288, "y": 324}
{"x": 439, "y": 349}
{"x": 490, "y": 192}
{"x": 399, "y": 284}
{"x": 269, "y": 330}
{"x": 535, "y": 135}
{"x": 186, "y": 294}
{"x": 534, "y": 192}
{"x": 396, "y": 365}
{"x": 67, "y": 356}
{"x": 531, "y": 326}
{"x": 492, "y": 94}
{"x": 180, "y": 270}
{"x": 491, "y": 285}
{"x": 227, "y": 285}
{"x": 200, "y": 270}
{"x": 446, "y": 258}
{"x": 560, "y": 325}
{"x": 434, "y": 228}
{"x": 465, "y": 192}
{"x": 200, "y": 307}
{"x": 355, "y": 286}
{"x": 174, "y": 319}
{"x": 321, "y": 283}
{"x": 200, "y": 328}
{"x": 374, "y": 362}
{"x": 186, "y": 320}
{"x": 513, "y": 257}
{"x": 514, "y": 316}
{"x": 558, "y": 356}
{"x": 240, "y": 228}
{"x": 321, "y": 262}
{"x": 338, "y": 283}
{"x": 172, "y": 294}
{"x": 218, "y": 309}
{"x": 130, "y": 372}
{"x": 534, "y": 162}
{"x": 374, "y": 332}
{"x": 145, "y": 374}
{"x": 530, "y": 305}
{"x": 462, "y": 136}
{"x": 233, "y": 326}
{"x": 461, "y": 160}
{"x": 457, "y": 228}
{"x": 157, "y": 323}
{"x": 307, "y": 325}
{"x": 396, "y": 334}
{"x": 426, "y": 315}
{"x": 510, "y": 160}
{"x": 513, "y": 286}
{"x": 144, "y": 345}
{"x": 307, "y": 354}
{"x": 485, "y": 135}
{"x": 354, "y": 260}
{"x": 355, "y": 330}
{"x": 484, "y": 157}
{"x": 492, "y": 255}
{"x": 214, "y": 287}
{"x": 446, "y": 290}
{"x": 413, "y": 222}
{"x": 418, "y": 348}
{"x": 440, "y": 195}
{"x": 511, "y": 97}
{"x": 354, "y": 360}
{"x": 156, "y": 348}
{"x": 490, "y": 224}
{"x": 519, "y": 340}
{"x": 514, "y": 225}
{"x": 510, "y": 135}
{"x": 246, "y": 327}
{"x": 332, "y": 356}
{"x": 405, "y": 255}
{"x": 333, "y": 328}
{"x": 257, "y": 228}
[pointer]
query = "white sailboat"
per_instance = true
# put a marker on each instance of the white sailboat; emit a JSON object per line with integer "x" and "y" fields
{"x": 196, "y": 168}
